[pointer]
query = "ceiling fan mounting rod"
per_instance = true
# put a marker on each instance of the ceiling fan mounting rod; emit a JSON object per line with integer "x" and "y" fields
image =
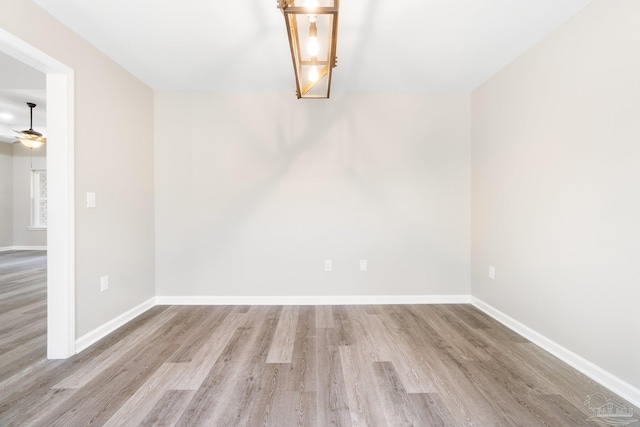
{"x": 31, "y": 107}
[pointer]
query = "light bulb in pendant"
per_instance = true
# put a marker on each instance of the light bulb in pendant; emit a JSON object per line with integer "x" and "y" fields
{"x": 312, "y": 46}
{"x": 314, "y": 75}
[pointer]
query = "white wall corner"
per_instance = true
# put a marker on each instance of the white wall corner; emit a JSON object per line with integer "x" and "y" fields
{"x": 617, "y": 385}
{"x": 102, "y": 331}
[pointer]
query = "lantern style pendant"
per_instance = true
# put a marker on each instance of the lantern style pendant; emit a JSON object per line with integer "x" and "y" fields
{"x": 312, "y": 27}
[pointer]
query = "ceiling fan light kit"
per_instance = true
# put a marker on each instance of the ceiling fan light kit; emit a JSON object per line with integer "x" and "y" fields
{"x": 31, "y": 142}
{"x": 312, "y": 29}
{"x": 31, "y": 138}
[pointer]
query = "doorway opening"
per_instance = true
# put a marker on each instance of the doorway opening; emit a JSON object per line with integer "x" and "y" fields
{"x": 61, "y": 333}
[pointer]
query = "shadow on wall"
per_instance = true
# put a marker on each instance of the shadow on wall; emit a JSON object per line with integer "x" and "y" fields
{"x": 319, "y": 121}
{"x": 280, "y": 151}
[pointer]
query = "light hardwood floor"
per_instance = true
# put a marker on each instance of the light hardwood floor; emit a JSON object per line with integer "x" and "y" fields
{"x": 435, "y": 365}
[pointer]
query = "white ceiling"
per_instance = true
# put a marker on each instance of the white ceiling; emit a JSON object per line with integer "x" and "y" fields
{"x": 383, "y": 46}
{"x": 19, "y": 84}
{"x": 14, "y": 103}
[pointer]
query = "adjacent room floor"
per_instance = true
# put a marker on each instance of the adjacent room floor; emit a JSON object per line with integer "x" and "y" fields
{"x": 23, "y": 312}
{"x": 421, "y": 365}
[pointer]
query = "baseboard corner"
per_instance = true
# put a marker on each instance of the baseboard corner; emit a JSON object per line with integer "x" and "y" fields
{"x": 100, "y": 332}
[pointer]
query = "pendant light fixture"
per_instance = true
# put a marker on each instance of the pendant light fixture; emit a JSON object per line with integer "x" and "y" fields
{"x": 312, "y": 29}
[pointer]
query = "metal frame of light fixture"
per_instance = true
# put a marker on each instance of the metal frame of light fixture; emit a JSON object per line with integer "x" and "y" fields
{"x": 291, "y": 12}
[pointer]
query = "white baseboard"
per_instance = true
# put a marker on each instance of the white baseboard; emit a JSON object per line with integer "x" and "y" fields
{"x": 29, "y": 248}
{"x": 97, "y": 334}
{"x": 596, "y": 373}
{"x": 23, "y": 248}
{"x": 313, "y": 300}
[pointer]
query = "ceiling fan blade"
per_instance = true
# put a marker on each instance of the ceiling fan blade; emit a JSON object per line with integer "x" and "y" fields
{"x": 32, "y": 136}
{"x": 8, "y": 139}
{"x": 23, "y": 134}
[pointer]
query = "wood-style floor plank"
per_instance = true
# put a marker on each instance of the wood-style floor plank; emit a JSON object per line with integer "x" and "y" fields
{"x": 333, "y": 409}
{"x": 146, "y": 398}
{"x": 168, "y": 409}
{"x": 362, "y": 399}
{"x": 413, "y": 365}
{"x": 324, "y": 317}
{"x": 282, "y": 346}
{"x": 214, "y": 345}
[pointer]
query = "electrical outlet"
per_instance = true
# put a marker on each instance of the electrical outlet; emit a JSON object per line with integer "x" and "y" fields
{"x": 327, "y": 265}
{"x": 492, "y": 272}
{"x": 104, "y": 283}
{"x": 363, "y": 265}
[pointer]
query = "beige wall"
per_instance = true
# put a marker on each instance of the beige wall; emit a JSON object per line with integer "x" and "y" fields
{"x": 255, "y": 191}
{"x": 24, "y": 161}
{"x": 6, "y": 195}
{"x": 113, "y": 157}
{"x": 555, "y": 193}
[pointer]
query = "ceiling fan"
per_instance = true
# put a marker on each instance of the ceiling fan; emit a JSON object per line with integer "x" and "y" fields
{"x": 29, "y": 138}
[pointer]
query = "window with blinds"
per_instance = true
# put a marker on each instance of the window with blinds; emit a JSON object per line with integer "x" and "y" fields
{"x": 39, "y": 199}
